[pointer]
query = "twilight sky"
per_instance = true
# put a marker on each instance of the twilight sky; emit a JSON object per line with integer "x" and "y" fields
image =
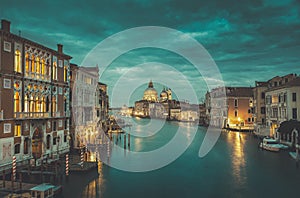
{"x": 249, "y": 40}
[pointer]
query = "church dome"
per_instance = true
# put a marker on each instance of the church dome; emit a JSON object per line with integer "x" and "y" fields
{"x": 163, "y": 95}
{"x": 150, "y": 94}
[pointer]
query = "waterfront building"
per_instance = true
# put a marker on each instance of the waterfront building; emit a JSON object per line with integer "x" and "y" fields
{"x": 233, "y": 111}
{"x": 259, "y": 107}
{"x": 102, "y": 106}
{"x": 240, "y": 108}
{"x": 216, "y": 107}
{"x": 202, "y": 115}
{"x": 159, "y": 110}
{"x": 34, "y": 89}
{"x": 175, "y": 113}
{"x": 282, "y": 102}
{"x": 164, "y": 107}
{"x": 126, "y": 111}
{"x": 264, "y": 126}
{"x": 89, "y": 106}
{"x": 150, "y": 94}
{"x": 141, "y": 107}
{"x": 289, "y": 133}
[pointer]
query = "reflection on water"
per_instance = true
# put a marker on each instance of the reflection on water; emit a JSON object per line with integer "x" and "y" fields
{"x": 236, "y": 140}
{"x": 96, "y": 187}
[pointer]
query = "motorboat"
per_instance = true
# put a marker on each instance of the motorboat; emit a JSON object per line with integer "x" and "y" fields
{"x": 272, "y": 145}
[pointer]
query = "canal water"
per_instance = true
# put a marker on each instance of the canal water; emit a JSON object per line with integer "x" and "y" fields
{"x": 235, "y": 167}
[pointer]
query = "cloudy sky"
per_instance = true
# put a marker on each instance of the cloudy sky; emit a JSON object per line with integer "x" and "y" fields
{"x": 249, "y": 40}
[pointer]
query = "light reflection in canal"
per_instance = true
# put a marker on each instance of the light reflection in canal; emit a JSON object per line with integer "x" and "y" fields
{"x": 96, "y": 187}
{"x": 236, "y": 140}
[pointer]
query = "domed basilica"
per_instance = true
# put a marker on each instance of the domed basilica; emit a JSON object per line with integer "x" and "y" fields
{"x": 150, "y": 94}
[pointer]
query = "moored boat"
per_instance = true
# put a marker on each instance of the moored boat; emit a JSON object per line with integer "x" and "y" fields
{"x": 45, "y": 190}
{"x": 272, "y": 145}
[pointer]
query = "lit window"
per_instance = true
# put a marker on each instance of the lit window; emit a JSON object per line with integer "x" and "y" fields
{"x": 32, "y": 64}
{"x": 37, "y": 105}
{"x": 18, "y": 61}
{"x": 65, "y": 73}
{"x": 43, "y": 109}
{"x": 43, "y": 67}
{"x": 26, "y": 103}
{"x": 37, "y": 62}
{"x": 54, "y": 104}
{"x": 54, "y": 71}
{"x": 17, "y": 130}
{"x": 27, "y": 64}
{"x": 17, "y": 104}
{"x": 31, "y": 104}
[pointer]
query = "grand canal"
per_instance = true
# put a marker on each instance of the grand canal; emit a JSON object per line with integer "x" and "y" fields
{"x": 235, "y": 167}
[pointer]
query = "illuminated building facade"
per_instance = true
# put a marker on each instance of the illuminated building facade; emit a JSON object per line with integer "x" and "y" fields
{"x": 89, "y": 106}
{"x": 282, "y": 103}
{"x": 240, "y": 108}
{"x": 34, "y": 88}
{"x": 233, "y": 110}
{"x": 265, "y": 123}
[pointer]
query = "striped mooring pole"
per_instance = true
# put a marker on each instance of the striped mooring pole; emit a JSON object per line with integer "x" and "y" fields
{"x": 67, "y": 164}
{"x": 14, "y": 168}
{"x": 81, "y": 158}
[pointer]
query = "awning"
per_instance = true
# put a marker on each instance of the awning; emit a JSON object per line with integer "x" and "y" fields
{"x": 289, "y": 126}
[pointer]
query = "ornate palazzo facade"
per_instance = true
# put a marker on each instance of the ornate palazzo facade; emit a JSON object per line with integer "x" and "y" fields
{"x": 34, "y": 104}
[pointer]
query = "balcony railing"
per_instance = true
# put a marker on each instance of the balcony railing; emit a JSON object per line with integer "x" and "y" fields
{"x": 37, "y": 115}
{"x": 37, "y": 76}
{"x": 22, "y": 115}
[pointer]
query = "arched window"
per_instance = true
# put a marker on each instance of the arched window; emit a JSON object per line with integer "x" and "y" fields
{"x": 48, "y": 142}
{"x": 32, "y": 64}
{"x": 65, "y": 104}
{"x": 18, "y": 61}
{"x": 54, "y": 103}
{"x": 66, "y": 73}
{"x": 37, "y": 104}
{"x": 47, "y": 104}
{"x": 54, "y": 71}
{"x": 37, "y": 60}
{"x": 43, "y": 104}
{"x": 43, "y": 68}
{"x": 26, "y": 145}
{"x": 32, "y": 104}
{"x": 26, "y": 103}
{"x": 17, "y": 104}
{"x": 27, "y": 69}
{"x": 17, "y": 148}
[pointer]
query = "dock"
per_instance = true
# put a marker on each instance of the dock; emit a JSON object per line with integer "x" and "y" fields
{"x": 7, "y": 187}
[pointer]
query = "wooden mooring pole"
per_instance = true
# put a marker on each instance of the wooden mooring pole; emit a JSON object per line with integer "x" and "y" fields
{"x": 3, "y": 178}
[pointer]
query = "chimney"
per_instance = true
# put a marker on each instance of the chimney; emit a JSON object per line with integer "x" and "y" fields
{"x": 5, "y": 25}
{"x": 60, "y": 48}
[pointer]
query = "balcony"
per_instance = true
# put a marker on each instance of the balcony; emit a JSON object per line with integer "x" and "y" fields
{"x": 32, "y": 115}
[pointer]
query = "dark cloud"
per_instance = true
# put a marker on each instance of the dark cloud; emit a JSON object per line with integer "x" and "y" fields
{"x": 250, "y": 40}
